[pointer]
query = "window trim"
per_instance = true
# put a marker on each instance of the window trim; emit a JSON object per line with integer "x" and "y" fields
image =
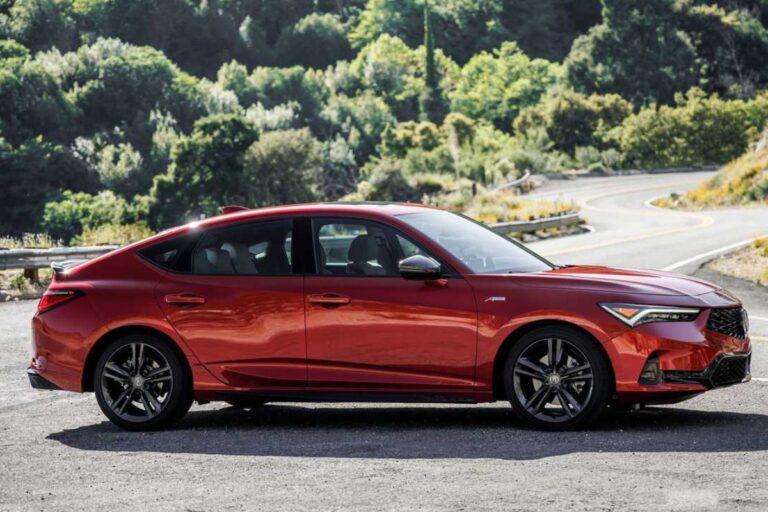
{"x": 390, "y": 231}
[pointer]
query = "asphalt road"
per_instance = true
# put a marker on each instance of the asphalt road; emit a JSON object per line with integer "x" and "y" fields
{"x": 57, "y": 452}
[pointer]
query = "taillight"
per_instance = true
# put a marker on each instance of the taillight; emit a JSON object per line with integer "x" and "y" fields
{"x": 53, "y": 298}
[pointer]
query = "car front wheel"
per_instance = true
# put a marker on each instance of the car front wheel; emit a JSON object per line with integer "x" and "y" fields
{"x": 557, "y": 378}
{"x": 140, "y": 383}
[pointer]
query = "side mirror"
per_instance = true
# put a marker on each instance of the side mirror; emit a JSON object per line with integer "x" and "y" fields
{"x": 420, "y": 267}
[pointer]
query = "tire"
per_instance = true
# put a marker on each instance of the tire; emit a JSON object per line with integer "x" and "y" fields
{"x": 156, "y": 396}
{"x": 572, "y": 394}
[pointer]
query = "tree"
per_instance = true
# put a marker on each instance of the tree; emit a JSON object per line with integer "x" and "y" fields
{"x": 315, "y": 41}
{"x": 431, "y": 102}
{"x": 638, "y": 51}
{"x": 33, "y": 173}
{"x": 281, "y": 167}
{"x": 206, "y": 171}
{"x": 495, "y": 86}
{"x": 572, "y": 119}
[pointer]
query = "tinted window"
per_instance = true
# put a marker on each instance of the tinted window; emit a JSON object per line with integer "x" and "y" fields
{"x": 262, "y": 248}
{"x": 482, "y": 250}
{"x": 165, "y": 254}
{"x": 359, "y": 248}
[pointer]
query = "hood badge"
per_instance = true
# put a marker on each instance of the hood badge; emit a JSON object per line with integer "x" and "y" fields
{"x": 495, "y": 299}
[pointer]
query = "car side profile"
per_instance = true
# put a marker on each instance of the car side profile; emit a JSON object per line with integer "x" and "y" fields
{"x": 375, "y": 302}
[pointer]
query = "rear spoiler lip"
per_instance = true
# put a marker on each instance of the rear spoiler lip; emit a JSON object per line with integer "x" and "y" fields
{"x": 62, "y": 266}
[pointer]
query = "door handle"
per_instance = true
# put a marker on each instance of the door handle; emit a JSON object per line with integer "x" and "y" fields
{"x": 184, "y": 299}
{"x": 329, "y": 299}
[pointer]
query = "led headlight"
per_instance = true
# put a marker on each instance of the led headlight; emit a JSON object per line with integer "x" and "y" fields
{"x": 636, "y": 314}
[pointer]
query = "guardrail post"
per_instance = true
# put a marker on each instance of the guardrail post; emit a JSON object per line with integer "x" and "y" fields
{"x": 32, "y": 275}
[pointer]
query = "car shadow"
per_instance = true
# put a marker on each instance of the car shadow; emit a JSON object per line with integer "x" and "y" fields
{"x": 418, "y": 432}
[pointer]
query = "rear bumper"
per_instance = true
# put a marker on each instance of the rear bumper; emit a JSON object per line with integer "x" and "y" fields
{"x": 37, "y": 381}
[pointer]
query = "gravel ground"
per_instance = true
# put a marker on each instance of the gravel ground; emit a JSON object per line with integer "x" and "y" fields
{"x": 58, "y": 452}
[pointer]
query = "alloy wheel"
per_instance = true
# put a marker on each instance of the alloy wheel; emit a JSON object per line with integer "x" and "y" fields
{"x": 553, "y": 380}
{"x": 136, "y": 382}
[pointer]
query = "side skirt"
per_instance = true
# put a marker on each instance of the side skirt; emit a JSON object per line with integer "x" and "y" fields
{"x": 342, "y": 396}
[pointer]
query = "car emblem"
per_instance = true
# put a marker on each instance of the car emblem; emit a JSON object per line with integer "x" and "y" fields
{"x": 495, "y": 299}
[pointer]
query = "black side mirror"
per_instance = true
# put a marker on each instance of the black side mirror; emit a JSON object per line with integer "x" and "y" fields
{"x": 420, "y": 267}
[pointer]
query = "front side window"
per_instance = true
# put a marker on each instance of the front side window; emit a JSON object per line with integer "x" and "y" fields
{"x": 481, "y": 249}
{"x": 360, "y": 248}
{"x": 260, "y": 248}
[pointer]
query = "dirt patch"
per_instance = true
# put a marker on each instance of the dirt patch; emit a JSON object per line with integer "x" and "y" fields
{"x": 749, "y": 263}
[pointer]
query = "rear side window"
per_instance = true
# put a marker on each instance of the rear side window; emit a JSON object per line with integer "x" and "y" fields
{"x": 259, "y": 248}
{"x": 166, "y": 254}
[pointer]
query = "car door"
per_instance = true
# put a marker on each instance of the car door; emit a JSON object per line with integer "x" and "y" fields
{"x": 368, "y": 327}
{"x": 239, "y": 305}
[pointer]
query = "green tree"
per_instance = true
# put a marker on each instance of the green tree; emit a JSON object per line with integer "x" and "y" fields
{"x": 281, "y": 168}
{"x": 431, "y": 103}
{"x": 33, "y": 173}
{"x": 206, "y": 171}
{"x": 638, "y": 51}
{"x": 315, "y": 41}
{"x": 572, "y": 119}
{"x": 495, "y": 86}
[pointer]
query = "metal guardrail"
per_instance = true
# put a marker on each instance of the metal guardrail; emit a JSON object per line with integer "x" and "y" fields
{"x": 42, "y": 258}
{"x": 30, "y": 260}
{"x": 529, "y": 226}
{"x": 519, "y": 182}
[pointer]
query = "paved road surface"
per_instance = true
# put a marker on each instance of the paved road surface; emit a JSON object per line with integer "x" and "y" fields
{"x": 57, "y": 452}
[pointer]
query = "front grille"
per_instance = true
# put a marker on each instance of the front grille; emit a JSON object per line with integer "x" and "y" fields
{"x": 728, "y": 321}
{"x": 730, "y": 370}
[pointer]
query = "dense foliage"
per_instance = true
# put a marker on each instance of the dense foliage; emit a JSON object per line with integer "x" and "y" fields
{"x": 119, "y": 116}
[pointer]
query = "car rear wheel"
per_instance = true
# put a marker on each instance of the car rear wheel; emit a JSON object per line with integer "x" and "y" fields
{"x": 141, "y": 384}
{"x": 557, "y": 378}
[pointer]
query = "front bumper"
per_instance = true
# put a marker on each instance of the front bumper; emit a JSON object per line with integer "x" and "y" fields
{"x": 37, "y": 381}
{"x": 724, "y": 370}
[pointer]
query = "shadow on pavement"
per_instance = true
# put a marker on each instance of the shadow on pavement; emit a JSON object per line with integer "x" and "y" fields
{"x": 431, "y": 433}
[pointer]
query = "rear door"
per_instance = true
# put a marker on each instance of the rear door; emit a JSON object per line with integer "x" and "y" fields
{"x": 369, "y": 328}
{"x": 238, "y": 303}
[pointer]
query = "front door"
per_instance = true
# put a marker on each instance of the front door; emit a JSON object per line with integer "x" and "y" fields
{"x": 369, "y": 328}
{"x": 239, "y": 305}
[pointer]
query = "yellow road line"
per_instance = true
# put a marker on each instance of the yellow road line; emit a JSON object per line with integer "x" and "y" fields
{"x": 704, "y": 221}
{"x": 758, "y": 338}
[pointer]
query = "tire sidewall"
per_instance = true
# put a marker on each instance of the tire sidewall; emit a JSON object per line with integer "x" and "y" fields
{"x": 600, "y": 371}
{"x": 179, "y": 400}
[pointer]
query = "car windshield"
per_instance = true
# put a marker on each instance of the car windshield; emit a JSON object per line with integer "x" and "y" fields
{"x": 481, "y": 249}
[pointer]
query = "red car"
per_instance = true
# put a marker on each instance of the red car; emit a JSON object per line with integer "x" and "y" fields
{"x": 375, "y": 302}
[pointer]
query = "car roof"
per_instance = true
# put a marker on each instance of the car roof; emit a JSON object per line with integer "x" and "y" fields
{"x": 363, "y": 209}
{"x": 373, "y": 209}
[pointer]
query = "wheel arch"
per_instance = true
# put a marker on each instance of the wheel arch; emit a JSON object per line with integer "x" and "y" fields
{"x": 517, "y": 334}
{"x": 100, "y": 344}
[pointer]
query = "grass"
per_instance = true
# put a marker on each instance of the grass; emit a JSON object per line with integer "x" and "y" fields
{"x": 743, "y": 182}
{"x": 29, "y": 241}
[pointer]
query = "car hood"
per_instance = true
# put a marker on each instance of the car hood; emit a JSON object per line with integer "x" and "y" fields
{"x": 636, "y": 282}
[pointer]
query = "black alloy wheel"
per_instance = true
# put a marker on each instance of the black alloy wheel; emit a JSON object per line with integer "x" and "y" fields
{"x": 557, "y": 378}
{"x": 140, "y": 383}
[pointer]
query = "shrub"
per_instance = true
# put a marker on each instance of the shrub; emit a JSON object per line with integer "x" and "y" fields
{"x": 77, "y": 211}
{"x": 697, "y": 130}
{"x": 113, "y": 234}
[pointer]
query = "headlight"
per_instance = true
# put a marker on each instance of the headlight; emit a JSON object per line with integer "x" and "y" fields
{"x": 635, "y": 314}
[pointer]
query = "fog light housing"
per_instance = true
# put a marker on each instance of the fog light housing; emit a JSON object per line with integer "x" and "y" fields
{"x": 651, "y": 373}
